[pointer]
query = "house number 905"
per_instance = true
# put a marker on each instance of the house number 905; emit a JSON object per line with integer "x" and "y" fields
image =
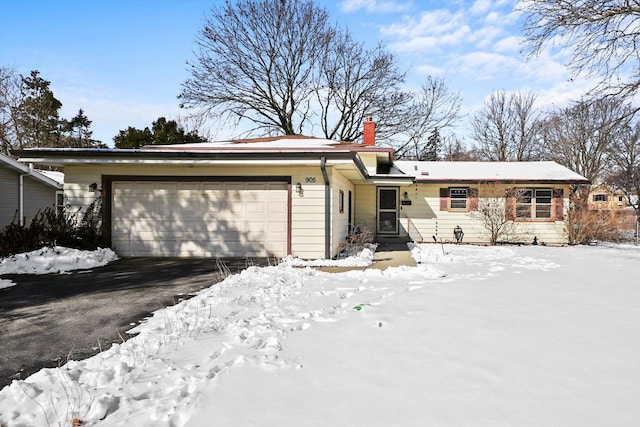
{"x": 310, "y": 179}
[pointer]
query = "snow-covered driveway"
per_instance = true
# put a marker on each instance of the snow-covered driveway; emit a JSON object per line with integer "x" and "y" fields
{"x": 472, "y": 336}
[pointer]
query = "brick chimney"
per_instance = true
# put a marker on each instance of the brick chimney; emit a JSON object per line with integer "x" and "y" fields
{"x": 369, "y": 133}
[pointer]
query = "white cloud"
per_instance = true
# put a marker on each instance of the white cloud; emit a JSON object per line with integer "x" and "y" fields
{"x": 510, "y": 44}
{"x": 374, "y": 6}
{"x": 480, "y": 7}
{"x": 484, "y": 65}
{"x": 431, "y": 43}
{"x": 433, "y": 29}
{"x": 484, "y": 36}
{"x": 429, "y": 70}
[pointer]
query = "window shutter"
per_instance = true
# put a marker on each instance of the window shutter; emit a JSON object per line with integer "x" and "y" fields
{"x": 473, "y": 199}
{"x": 558, "y": 201}
{"x": 444, "y": 199}
{"x": 510, "y": 204}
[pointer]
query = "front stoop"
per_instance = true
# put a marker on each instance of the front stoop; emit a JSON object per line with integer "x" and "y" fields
{"x": 391, "y": 252}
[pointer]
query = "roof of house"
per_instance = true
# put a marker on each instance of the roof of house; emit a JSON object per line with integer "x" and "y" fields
{"x": 284, "y": 148}
{"x": 542, "y": 172}
{"x": 277, "y": 143}
{"x": 23, "y": 169}
{"x": 296, "y": 148}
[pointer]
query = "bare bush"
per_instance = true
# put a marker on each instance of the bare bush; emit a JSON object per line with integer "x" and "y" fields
{"x": 585, "y": 226}
{"x": 493, "y": 213}
{"x": 359, "y": 237}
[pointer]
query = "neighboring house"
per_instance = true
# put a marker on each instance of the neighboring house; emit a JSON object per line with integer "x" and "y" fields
{"x": 603, "y": 196}
{"x": 297, "y": 195}
{"x": 25, "y": 191}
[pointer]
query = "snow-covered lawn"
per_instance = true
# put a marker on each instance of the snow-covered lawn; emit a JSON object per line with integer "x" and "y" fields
{"x": 472, "y": 336}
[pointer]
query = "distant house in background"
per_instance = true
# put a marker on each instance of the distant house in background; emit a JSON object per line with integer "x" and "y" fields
{"x": 24, "y": 191}
{"x": 603, "y": 196}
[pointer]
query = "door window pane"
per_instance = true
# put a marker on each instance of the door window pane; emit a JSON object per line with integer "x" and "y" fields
{"x": 388, "y": 199}
{"x": 387, "y": 221}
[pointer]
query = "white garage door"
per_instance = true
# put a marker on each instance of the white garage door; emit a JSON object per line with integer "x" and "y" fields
{"x": 199, "y": 219}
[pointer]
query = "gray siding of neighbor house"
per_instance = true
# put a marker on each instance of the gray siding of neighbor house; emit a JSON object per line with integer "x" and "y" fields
{"x": 8, "y": 196}
{"x": 37, "y": 196}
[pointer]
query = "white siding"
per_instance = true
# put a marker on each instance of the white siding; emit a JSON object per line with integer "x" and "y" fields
{"x": 9, "y": 196}
{"x": 158, "y": 218}
{"x": 307, "y": 208}
{"x": 37, "y": 197}
{"x": 339, "y": 220}
{"x": 425, "y": 214}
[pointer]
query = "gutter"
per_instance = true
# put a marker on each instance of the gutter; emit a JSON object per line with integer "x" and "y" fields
{"x": 327, "y": 209}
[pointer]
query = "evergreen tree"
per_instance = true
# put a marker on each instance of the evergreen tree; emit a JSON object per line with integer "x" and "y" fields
{"x": 37, "y": 117}
{"x": 133, "y": 138}
{"x": 432, "y": 147}
{"x": 162, "y": 132}
{"x": 78, "y": 133}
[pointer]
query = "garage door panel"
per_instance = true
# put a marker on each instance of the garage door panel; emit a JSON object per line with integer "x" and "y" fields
{"x": 200, "y": 219}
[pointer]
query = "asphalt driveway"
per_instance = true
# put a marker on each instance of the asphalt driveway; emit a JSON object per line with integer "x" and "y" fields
{"x": 46, "y": 320}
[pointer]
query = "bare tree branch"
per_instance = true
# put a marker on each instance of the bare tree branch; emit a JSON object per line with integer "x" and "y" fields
{"x": 603, "y": 37}
{"x": 256, "y": 60}
{"x": 505, "y": 129}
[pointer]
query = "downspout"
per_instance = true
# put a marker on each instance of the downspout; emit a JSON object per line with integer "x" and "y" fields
{"x": 21, "y": 195}
{"x": 21, "y": 200}
{"x": 327, "y": 209}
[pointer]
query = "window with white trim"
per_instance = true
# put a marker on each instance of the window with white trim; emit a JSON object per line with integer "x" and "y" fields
{"x": 59, "y": 202}
{"x": 534, "y": 203}
{"x": 598, "y": 198}
{"x": 458, "y": 199}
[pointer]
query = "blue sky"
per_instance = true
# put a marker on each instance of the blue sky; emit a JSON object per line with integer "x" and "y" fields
{"x": 122, "y": 61}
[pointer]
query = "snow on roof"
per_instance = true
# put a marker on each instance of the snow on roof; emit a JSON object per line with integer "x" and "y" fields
{"x": 54, "y": 175}
{"x": 28, "y": 170}
{"x": 487, "y": 171}
{"x": 283, "y": 142}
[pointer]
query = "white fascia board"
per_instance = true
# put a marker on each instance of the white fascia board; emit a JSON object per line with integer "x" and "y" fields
{"x": 25, "y": 170}
{"x": 378, "y": 180}
{"x": 186, "y": 162}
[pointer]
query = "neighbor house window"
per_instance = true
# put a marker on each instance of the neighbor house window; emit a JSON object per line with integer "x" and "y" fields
{"x": 458, "y": 199}
{"x": 341, "y": 201}
{"x": 59, "y": 202}
{"x": 599, "y": 197}
{"x": 534, "y": 203}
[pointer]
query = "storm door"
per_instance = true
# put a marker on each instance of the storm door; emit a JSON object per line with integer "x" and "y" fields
{"x": 388, "y": 210}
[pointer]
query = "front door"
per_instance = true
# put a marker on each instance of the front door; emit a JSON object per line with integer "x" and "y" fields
{"x": 387, "y": 210}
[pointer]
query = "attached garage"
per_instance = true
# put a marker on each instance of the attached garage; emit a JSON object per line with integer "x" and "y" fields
{"x": 193, "y": 218}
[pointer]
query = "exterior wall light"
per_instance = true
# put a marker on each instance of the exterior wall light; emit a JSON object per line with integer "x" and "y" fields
{"x": 93, "y": 187}
{"x": 298, "y": 188}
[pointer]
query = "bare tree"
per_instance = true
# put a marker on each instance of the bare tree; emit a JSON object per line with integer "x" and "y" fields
{"x": 454, "y": 150}
{"x": 602, "y": 37}
{"x": 10, "y": 84}
{"x": 435, "y": 106}
{"x": 625, "y": 156}
{"x": 355, "y": 83}
{"x": 256, "y": 60}
{"x": 505, "y": 129}
{"x": 582, "y": 136}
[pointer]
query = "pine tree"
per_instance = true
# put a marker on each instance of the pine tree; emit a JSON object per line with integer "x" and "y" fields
{"x": 432, "y": 147}
{"x": 37, "y": 114}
